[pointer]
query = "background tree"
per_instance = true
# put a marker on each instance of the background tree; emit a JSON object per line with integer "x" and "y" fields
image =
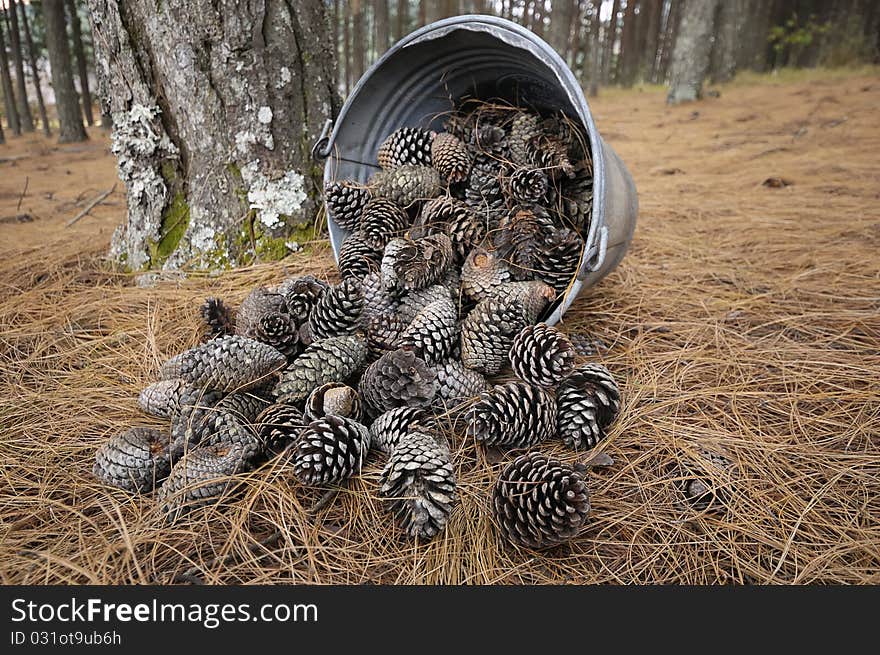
{"x": 24, "y": 109}
{"x": 81, "y": 65}
{"x": 66, "y": 99}
{"x": 383, "y": 36}
{"x": 690, "y": 58}
{"x": 213, "y": 128}
{"x": 35, "y": 71}
{"x": 8, "y": 93}
{"x": 722, "y": 65}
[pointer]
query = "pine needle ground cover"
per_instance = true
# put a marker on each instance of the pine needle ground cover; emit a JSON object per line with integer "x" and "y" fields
{"x": 746, "y": 317}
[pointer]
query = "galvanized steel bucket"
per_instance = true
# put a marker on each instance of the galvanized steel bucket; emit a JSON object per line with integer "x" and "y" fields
{"x": 423, "y": 75}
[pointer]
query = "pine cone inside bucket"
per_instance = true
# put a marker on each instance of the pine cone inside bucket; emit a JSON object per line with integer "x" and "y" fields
{"x": 357, "y": 258}
{"x": 419, "y": 483}
{"x": 135, "y": 460}
{"x": 482, "y": 273}
{"x": 450, "y": 157}
{"x": 398, "y": 378}
{"x": 588, "y": 401}
{"x": 542, "y": 355}
{"x": 513, "y": 414}
{"x": 406, "y": 145}
{"x": 331, "y": 449}
{"x": 528, "y": 185}
{"x": 382, "y": 221}
{"x": 454, "y": 218}
{"x": 345, "y": 202}
{"x": 416, "y": 264}
{"x": 540, "y": 502}
{"x": 406, "y": 185}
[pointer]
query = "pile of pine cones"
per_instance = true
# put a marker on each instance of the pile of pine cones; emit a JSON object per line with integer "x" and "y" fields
{"x": 456, "y": 248}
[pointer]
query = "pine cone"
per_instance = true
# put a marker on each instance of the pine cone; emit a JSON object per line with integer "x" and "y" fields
{"x": 419, "y": 483}
{"x": 532, "y": 297}
{"x": 513, "y": 414}
{"x": 487, "y": 334}
{"x": 162, "y": 398}
{"x": 377, "y": 299}
{"x": 390, "y": 427}
{"x": 588, "y": 401}
{"x": 575, "y": 200}
{"x": 550, "y": 153}
{"x": 521, "y": 239}
{"x": 338, "y": 312}
{"x": 264, "y": 317}
{"x": 417, "y": 299}
{"x": 706, "y": 481}
{"x": 406, "y": 145}
{"x": 450, "y": 157}
{"x": 278, "y": 426}
{"x": 194, "y": 405}
{"x": 226, "y": 364}
{"x": 483, "y": 192}
{"x": 540, "y": 502}
{"x": 357, "y": 258}
{"x": 454, "y": 218}
{"x": 396, "y": 379}
{"x": 482, "y": 273}
{"x": 337, "y": 359}
{"x": 333, "y": 398}
{"x": 433, "y": 333}
{"x": 330, "y": 450}
{"x": 524, "y": 129}
{"x": 542, "y": 355}
{"x": 200, "y": 478}
{"x": 382, "y": 221}
{"x": 217, "y": 317}
{"x": 416, "y": 264}
{"x": 457, "y": 385}
{"x": 383, "y": 334}
{"x": 345, "y": 202}
{"x": 406, "y": 185}
{"x": 302, "y": 294}
{"x": 528, "y": 185}
{"x": 230, "y": 422}
{"x": 134, "y": 460}
{"x": 560, "y": 260}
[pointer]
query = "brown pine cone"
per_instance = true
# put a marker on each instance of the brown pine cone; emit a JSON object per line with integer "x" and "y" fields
{"x": 382, "y": 221}
{"x": 406, "y": 145}
{"x": 559, "y": 262}
{"x": 588, "y": 401}
{"x": 302, "y": 294}
{"x": 134, "y": 460}
{"x": 338, "y": 312}
{"x": 195, "y": 404}
{"x": 457, "y": 385}
{"x": 524, "y": 129}
{"x": 456, "y": 219}
{"x": 396, "y": 379}
{"x": 433, "y": 333}
{"x": 217, "y": 317}
{"x": 391, "y": 426}
{"x": 528, "y": 185}
{"x": 513, "y": 414}
{"x": 416, "y": 300}
{"x": 345, "y": 201}
{"x": 482, "y": 273}
{"x": 406, "y": 185}
{"x": 541, "y": 355}
{"x": 383, "y": 335}
{"x": 330, "y": 450}
{"x": 540, "y": 502}
{"x": 416, "y": 264}
{"x": 333, "y": 398}
{"x": 377, "y": 299}
{"x": 532, "y": 296}
{"x": 264, "y": 317}
{"x": 357, "y": 258}
{"x": 337, "y": 359}
{"x": 450, "y": 157}
{"x": 278, "y": 426}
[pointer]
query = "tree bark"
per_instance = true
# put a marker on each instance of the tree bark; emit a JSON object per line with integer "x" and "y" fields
{"x": 610, "y": 39}
{"x": 723, "y": 61}
{"x": 690, "y": 58}
{"x": 358, "y": 44}
{"x": 35, "y": 72}
{"x": 595, "y": 48}
{"x": 628, "y": 56}
{"x": 24, "y": 108}
{"x": 81, "y": 66}
{"x": 346, "y": 50}
{"x": 66, "y": 99}
{"x": 8, "y": 93}
{"x": 652, "y": 42}
{"x": 383, "y": 38}
{"x": 216, "y": 105}
{"x": 670, "y": 33}
{"x": 402, "y": 18}
{"x": 423, "y": 13}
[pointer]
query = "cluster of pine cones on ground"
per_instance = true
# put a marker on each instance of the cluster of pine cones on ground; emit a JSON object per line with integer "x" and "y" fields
{"x": 453, "y": 256}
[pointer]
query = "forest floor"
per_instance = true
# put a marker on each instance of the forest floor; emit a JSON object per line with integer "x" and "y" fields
{"x": 745, "y": 318}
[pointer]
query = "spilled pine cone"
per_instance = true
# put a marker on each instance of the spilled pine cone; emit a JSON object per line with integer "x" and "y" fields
{"x": 333, "y": 398}
{"x": 588, "y": 401}
{"x": 391, "y": 426}
{"x": 337, "y": 359}
{"x": 541, "y": 355}
{"x": 330, "y": 449}
{"x": 338, "y": 312}
{"x": 278, "y": 426}
{"x": 396, "y": 379}
{"x": 263, "y": 316}
{"x": 345, "y": 202}
{"x": 383, "y": 334}
{"x": 302, "y": 293}
{"x": 162, "y": 398}
{"x": 539, "y": 502}
{"x": 135, "y": 460}
{"x": 487, "y": 334}
{"x": 433, "y": 333}
{"x": 357, "y": 258}
{"x": 217, "y": 317}
{"x": 514, "y": 414}
{"x": 457, "y": 385}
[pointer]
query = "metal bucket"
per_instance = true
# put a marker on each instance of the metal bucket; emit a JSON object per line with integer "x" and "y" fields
{"x": 423, "y": 75}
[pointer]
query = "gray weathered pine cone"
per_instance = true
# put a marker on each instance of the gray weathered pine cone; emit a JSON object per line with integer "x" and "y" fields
{"x": 302, "y": 293}
{"x": 528, "y": 185}
{"x": 487, "y": 334}
{"x": 217, "y": 317}
{"x": 531, "y": 296}
{"x": 560, "y": 259}
{"x": 524, "y": 129}
{"x": 483, "y": 192}
{"x": 453, "y": 217}
{"x": 521, "y": 239}
{"x": 575, "y": 199}
{"x": 587, "y": 401}
{"x": 333, "y": 398}
{"x": 416, "y": 300}
{"x": 377, "y": 299}
{"x": 419, "y": 483}
{"x": 263, "y": 316}
{"x": 389, "y": 427}
{"x": 406, "y": 185}
{"x": 541, "y": 355}
{"x": 230, "y": 422}
{"x": 457, "y": 384}
{"x": 550, "y": 153}
{"x": 338, "y": 312}
{"x": 416, "y": 264}
{"x": 194, "y": 405}
{"x": 337, "y": 359}
{"x": 383, "y": 333}
{"x": 357, "y": 258}
{"x": 433, "y": 332}
{"x": 278, "y": 426}
{"x": 232, "y": 363}
{"x": 330, "y": 450}
{"x": 345, "y": 201}
{"x": 513, "y": 414}
{"x": 482, "y": 273}
{"x": 397, "y": 378}
{"x": 200, "y": 478}
{"x": 707, "y": 480}
{"x": 382, "y": 221}
{"x": 162, "y": 398}
{"x": 135, "y": 460}
{"x": 540, "y": 502}
{"x": 450, "y": 157}
{"x": 405, "y": 145}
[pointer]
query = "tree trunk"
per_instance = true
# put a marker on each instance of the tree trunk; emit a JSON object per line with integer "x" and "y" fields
{"x": 723, "y": 62}
{"x": 383, "y": 38}
{"x": 24, "y": 109}
{"x": 66, "y": 99}
{"x": 690, "y": 59}
{"x": 652, "y": 44}
{"x": 80, "y": 55}
{"x": 610, "y": 39}
{"x": 346, "y": 50}
{"x": 8, "y": 93}
{"x": 358, "y": 44}
{"x": 670, "y": 33}
{"x": 628, "y": 55}
{"x": 215, "y": 108}
{"x": 35, "y": 72}
{"x": 423, "y": 13}
{"x": 402, "y": 18}
{"x": 595, "y": 47}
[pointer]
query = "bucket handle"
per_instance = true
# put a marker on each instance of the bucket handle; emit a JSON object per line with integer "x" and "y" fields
{"x": 321, "y": 148}
{"x": 596, "y": 254}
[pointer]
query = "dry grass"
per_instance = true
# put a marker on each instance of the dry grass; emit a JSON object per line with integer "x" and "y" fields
{"x": 744, "y": 317}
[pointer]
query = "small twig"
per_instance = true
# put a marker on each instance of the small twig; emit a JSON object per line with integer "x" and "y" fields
{"x": 27, "y": 179}
{"x": 94, "y": 203}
